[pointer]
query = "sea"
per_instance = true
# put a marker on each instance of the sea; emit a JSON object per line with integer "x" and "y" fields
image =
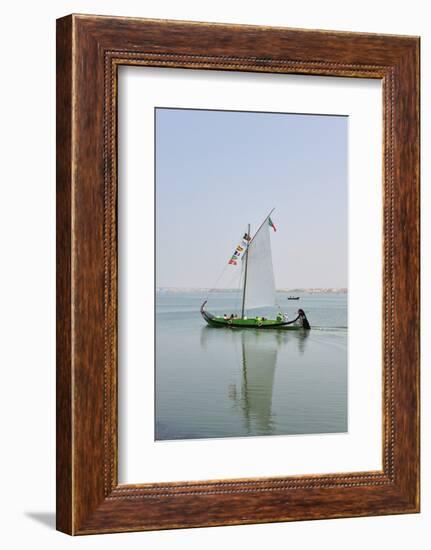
{"x": 221, "y": 382}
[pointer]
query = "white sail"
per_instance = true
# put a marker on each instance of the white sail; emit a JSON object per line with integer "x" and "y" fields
{"x": 260, "y": 284}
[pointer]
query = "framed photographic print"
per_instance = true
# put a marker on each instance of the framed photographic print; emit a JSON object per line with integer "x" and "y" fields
{"x": 237, "y": 274}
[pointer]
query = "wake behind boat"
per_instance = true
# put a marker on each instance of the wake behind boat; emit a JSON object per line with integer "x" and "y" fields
{"x": 257, "y": 286}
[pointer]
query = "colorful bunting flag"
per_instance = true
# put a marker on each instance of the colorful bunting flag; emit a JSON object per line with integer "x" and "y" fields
{"x": 271, "y": 224}
{"x": 239, "y": 251}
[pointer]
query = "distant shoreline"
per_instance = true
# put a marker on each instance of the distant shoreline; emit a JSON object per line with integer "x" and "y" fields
{"x": 180, "y": 290}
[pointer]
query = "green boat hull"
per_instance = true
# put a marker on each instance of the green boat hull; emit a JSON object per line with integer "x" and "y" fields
{"x": 300, "y": 323}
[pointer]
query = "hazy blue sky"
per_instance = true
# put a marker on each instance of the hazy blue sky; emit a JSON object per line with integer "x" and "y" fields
{"x": 216, "y": 171}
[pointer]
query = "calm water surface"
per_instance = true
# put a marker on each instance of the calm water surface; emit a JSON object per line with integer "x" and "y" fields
{"x": 224, "y": 383}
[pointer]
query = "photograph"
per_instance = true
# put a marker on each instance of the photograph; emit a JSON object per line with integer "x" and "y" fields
{"x": 251, "y": 233}
{"x": 212, "y": 299}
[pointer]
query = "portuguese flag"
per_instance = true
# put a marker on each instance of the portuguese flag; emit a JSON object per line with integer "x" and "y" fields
{"x": 271, "y": 224}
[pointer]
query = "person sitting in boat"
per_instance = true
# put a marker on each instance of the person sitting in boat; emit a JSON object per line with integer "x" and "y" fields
{"x": 225, "y": 317}
{"x": 280, "y": 317}
{"x": 232, "y": 316}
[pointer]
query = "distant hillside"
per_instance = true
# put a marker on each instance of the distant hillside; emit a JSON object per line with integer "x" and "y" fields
{"x": 185, "y": 290}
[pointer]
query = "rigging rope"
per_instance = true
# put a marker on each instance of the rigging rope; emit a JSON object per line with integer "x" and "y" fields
{"x": 239, "y": 296}
{"x": 217, "y": 281}
{"x": 230, "y": 283}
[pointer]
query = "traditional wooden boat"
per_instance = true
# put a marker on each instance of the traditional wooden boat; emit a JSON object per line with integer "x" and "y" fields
{"x": 254, "y": 257}
{"x": 293, "y": 298}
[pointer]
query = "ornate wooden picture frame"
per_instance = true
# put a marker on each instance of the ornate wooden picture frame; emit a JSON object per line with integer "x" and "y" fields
{"x": 89, "y": 51}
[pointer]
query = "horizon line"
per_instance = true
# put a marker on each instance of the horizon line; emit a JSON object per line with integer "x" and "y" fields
{"x": 282, "y": 289}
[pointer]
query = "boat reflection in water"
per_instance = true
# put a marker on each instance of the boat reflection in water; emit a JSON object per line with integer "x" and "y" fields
{"x": 256, "y": 363}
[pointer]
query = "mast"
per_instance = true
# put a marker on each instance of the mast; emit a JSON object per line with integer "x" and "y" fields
{"x": 245, "y": 274}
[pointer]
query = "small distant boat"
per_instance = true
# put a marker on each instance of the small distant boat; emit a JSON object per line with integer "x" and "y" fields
{"x": 293, "y": 298}
{"x": 258, "y": 286}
